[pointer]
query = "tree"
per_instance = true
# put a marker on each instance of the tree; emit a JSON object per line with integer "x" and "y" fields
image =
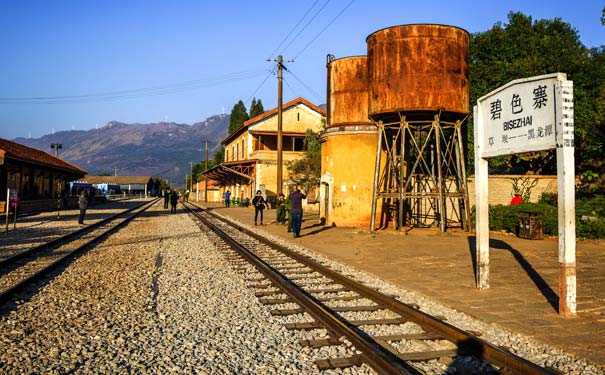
{"x": 524, "y": 48}
{"x": 603, "y": 17}
{"x": 238, "y": 116}
{"x": 256, "y": 108}
{"x": 306, "y": 172}
{"x": 219, "y": 156}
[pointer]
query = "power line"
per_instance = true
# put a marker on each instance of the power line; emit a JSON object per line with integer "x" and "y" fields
{"x": 318, "y": 96}
{"x": 291, "y": 89}
{"x": 261, "y": 84}
{"x": 307, "y": 24}
{"x": 324, "y": 29}
{"x": 140, "y": 92}
{"x": 293, "y": 28}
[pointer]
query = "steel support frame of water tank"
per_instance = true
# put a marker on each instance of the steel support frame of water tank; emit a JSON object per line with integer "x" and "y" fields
{"x": 426, "y": 180}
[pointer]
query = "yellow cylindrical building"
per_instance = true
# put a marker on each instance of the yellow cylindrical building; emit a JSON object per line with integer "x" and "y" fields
{"x": 349, "y": 146}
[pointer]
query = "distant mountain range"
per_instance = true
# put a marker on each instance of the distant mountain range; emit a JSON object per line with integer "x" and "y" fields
{"x": 160, "y": 150}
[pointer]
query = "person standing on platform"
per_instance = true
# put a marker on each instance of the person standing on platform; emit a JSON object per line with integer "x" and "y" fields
{"x": 227, "y": 197}
{"x": 281, "y": 209}
{"x": 166, "y": 198}
{"x": 174, "y": 198}
{"x": 259, "y": 205}
{"x": 82, "y": 204}
{"x": 296, "y": 198}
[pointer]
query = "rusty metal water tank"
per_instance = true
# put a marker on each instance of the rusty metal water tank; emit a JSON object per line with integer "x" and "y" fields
{"x": 420, "y": 67}
{"x": 348, "y": 91}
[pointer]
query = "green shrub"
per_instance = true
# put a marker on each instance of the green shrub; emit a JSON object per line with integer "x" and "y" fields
{"x": 503, "y": 217}
{"x": 590, "y": 216}
{"x": 590, "y": 228}
{"x": 594, "y": 206}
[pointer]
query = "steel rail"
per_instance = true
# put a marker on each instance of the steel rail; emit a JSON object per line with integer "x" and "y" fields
{"x": 7, "y": 294}
{"x": 376, "y": 356}
{"x": 68, "y": 237}
{"x": 468, "y": 344}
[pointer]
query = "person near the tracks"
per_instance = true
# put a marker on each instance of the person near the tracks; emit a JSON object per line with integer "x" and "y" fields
{"x": 296, "y": 198}
{"x": 82, "y": 204}
{"x": 281, "y": 209}
{"x": 166, "y": 198}
{"x": 259, "y": 205}
{"x": 174, "y": 198}
{"x": 227, "y": 198}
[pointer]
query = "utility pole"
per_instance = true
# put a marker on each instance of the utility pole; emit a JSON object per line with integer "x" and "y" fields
{"x": 205, "y": 177}
{"x": 280, "y": 163}
{"x": 56, "y": 147}
{"x": 191, "y": 170}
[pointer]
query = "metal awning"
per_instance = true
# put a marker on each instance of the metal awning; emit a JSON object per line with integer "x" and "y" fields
{"x": 225, "y": 173}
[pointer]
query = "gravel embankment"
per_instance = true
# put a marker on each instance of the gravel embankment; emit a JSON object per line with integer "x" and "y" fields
{"x": 155, "y": 298}
{"x": 40, "y": 228}
{"x": 541, "y": 354}
{"x": 159, "y": 297}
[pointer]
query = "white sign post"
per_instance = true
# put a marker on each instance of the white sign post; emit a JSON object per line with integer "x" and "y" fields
{"x": 529, "y": 114}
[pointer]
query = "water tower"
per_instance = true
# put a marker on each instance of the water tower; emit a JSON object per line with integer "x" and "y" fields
{"x": 418, "y": 99}
{"x": 348, "y": 145}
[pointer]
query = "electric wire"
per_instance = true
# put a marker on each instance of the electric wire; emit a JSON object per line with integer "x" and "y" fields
{"x": 306, "y": 25}
{"x": 324, "y": 29}
{"x": 293, "y": 28}
{"x": 290, "y": 88}
{"x": 140, "y": 92}
{"x": 317, "y": 96}
{"x": 261, "y": 84}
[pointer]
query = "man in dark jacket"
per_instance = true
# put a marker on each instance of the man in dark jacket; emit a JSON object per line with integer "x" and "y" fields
{"x": 82, "y": 204}
{"x": 259, "y": 205}
{"x": 166, "y": 198}
{"x": 174, "y": 198}
{"x": 296, "y": 198}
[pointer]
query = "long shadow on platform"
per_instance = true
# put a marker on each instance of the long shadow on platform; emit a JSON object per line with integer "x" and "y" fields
{"x": 551, "y": 296}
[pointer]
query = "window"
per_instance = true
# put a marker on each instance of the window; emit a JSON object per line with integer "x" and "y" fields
{"x": 298, "y": 144}
{"x": 243, "y": 154}
{"x": 237, "y": 152}
{"x": 226, "y": 155}
{"x": 298, "y": 116}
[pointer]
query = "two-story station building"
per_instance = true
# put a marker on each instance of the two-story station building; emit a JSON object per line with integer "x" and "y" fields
{"x": 251, "y": 150}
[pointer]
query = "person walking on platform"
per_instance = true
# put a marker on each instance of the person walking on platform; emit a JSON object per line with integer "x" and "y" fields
{"x": 174, "y": 198}
{"x": 296, "y": 198}
{"x": 281, "y": 209}
{"x": 166, "y": 198}
{"x": 259, "y": 205}
{"x": 82, "y": 204}
{"x": 227, "y": 197}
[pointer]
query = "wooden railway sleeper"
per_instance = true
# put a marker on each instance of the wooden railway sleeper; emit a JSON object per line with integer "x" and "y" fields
{"x": 286, "y": 312}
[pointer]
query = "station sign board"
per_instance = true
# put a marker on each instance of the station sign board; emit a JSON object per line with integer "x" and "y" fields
{"x": 525, "y": 115}
{"x": 521, "y": 116}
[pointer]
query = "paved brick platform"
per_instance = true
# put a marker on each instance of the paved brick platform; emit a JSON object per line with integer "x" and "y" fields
{"x": 523, "y": 282}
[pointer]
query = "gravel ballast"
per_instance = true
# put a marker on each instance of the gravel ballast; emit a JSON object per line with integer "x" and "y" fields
{"x": 160, "y": 297}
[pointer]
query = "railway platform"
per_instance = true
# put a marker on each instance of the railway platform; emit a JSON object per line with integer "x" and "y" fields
{"x": 523, "y": 276}
{"x": 35, "y": 229}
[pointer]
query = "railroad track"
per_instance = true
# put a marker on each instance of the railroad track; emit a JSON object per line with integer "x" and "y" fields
{"x": 25, "y": 268}
{"x": 294, "y": 284}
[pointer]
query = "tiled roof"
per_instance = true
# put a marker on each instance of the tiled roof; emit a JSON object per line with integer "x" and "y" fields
{"x": 271, "y": 112}
{"x": 289, "y": 104}
{"x": 118, "y": 180}
{"x": 19, "y": 152}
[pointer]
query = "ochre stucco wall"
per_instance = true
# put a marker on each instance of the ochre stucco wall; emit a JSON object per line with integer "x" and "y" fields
{"x": 349, "y": 159}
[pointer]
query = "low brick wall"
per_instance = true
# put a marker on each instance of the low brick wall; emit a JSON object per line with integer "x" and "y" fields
{"x": 501, "y": 187}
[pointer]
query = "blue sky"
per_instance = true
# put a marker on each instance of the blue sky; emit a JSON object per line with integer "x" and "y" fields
{"x": 203, "y": 56}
